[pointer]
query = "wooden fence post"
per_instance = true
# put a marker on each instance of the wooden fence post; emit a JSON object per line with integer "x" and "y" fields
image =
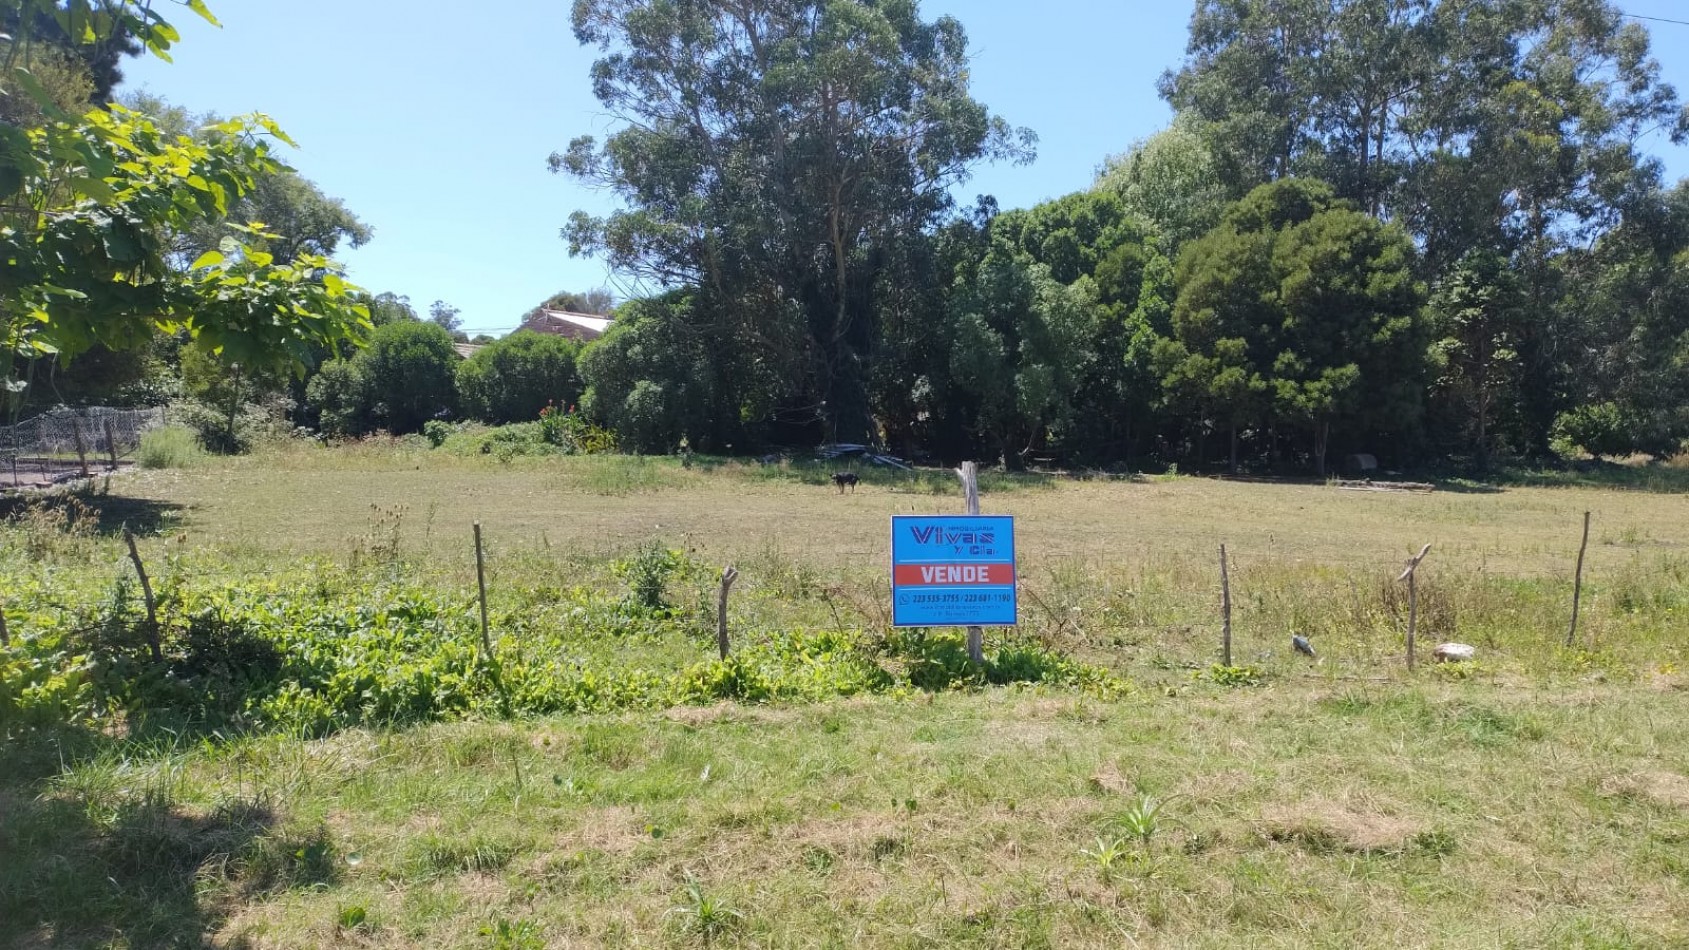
{"x": 728, "y": 576}
{"x": 81, "y": 445}
{"x": 146, "y": 593}
{"x": 969, "y": 474}
{"x": 111, "y": 443}
{"x": 487, "y": 656}
{"x": 5, "y": 635}
{"x": 1225, "y": 611}
{"x": 1411, "y": 575}
{"x": 481, "y": 584}
{"x": 1577, "y": 585}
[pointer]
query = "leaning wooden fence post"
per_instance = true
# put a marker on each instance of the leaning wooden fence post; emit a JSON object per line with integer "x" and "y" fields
{"x": 5, "y": 636}
{"x": 969, "y": 474}
{"x": 728, "y": 576}
{"x": 487, "y": 656}
{"x": 481, "y": 585}
{"x": 1411, "y": 575}
{"x": 111, "y": 444}
{"x": 1577, "y": 585}
{"x": 81, "y": 445}
{"x": 146, "y": 594}
{"x": 1225, "y": 611}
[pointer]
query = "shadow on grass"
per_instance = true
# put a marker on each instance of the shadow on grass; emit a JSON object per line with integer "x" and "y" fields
{"x": 109, "y": 864}
{"x": 110, "y": 513}
{"x": 1652, "y": 477}
{"x": 924, "y": 481}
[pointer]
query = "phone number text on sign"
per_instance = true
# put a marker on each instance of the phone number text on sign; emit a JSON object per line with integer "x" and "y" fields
{"x": 953, "y": 571}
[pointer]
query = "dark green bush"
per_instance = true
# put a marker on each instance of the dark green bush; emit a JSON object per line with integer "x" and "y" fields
{"x": 403, "y": 379}
{"x": 513, "y": 379}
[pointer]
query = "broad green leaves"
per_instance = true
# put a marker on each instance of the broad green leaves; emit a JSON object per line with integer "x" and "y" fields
{"x": 92, "y": 203}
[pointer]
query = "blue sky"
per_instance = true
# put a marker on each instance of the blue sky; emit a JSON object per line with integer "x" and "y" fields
{"x": 434, "y": 126}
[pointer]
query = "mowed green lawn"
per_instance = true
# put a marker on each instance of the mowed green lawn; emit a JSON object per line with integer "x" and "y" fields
{"x": 1538, "y": 798}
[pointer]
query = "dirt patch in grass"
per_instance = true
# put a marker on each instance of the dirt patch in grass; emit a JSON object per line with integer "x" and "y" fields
{"x": 1668, "y": 682}
{"x": 852, "y": 836}
{"x": 1110, "y": 780}
{"x": 616, "y": 829}
{"x": 1324, "y": 825}
{"x": 1660, "y": 787}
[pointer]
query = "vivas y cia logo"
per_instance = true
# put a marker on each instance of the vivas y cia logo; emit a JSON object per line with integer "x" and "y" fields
{"x": 971, "y": 541}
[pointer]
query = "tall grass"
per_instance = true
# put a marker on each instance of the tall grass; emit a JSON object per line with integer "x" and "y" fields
{"x": 169, "y": 447}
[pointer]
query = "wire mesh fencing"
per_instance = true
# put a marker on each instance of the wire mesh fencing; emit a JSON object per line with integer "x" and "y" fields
{"x": 64, "y": 444}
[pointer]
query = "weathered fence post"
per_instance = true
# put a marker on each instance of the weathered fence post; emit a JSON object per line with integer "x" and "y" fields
{"x": 1577, "y": 585}
{"x": 146, "y": 593}
{"x": 111, "y": 443}
{"x": 81, "y": 445}
{"x": 481, "y": 584}
{"x": 1411, "y": 575}
{"x": 728, "y": 576}
{"x": 969, "y": 474}
{"x": 1225, "y": 611}
{"x": 5, "y": 635}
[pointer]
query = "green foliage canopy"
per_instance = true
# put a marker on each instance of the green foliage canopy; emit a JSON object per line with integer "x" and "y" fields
{"x": 771, "y": 149}
{"x": 87, "y": 204}
{"x": 512, "y": 379}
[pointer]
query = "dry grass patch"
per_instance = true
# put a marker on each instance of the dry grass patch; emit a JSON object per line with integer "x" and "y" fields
{"x": 1323, "y": 824}
{"x": 1667, "y": 789}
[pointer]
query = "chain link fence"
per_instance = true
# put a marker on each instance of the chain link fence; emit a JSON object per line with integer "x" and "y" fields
{"x": 64, "y": 444}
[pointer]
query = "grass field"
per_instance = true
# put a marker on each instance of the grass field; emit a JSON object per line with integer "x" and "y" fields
{"x": 1539, "y": 797}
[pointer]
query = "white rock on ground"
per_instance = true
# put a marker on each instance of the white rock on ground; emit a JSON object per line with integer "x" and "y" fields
{"x": 1454, "y": 652}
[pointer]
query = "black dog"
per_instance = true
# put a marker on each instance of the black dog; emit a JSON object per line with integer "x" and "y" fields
{"x": 841, "y": 479}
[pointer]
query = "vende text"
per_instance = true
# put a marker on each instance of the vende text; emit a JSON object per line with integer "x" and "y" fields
{"x": 937, "y": 574}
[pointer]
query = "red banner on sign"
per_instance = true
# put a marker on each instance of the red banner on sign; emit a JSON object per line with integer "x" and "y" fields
{"x": 954, "y": 575}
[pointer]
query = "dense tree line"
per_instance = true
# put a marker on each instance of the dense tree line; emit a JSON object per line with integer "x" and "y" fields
{"x": 1423, "y": 229}
{"x": 1427, "y": 230}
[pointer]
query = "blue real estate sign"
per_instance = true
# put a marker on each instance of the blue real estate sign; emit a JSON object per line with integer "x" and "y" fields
{"x": 953, "y": 571}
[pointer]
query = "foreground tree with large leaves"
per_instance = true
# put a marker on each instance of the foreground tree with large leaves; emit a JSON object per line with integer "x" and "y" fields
{"x": 89, "y": 204}
{"x": 772, "y": 150}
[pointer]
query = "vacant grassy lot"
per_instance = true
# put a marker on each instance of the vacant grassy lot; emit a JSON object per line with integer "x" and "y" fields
{"x": 1537, "y": 798}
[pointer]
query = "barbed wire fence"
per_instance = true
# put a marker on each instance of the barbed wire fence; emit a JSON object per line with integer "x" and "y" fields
{"x": 65, "y": 444}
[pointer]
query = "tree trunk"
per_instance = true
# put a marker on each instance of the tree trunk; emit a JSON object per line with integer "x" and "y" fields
{"x": 1322, "y": 435}
{"x": 1234, "y": 449}
{"x": 234, "y": 407}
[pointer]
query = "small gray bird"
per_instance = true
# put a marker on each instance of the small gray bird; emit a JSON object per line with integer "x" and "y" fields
{"x": 1302, "y": 645}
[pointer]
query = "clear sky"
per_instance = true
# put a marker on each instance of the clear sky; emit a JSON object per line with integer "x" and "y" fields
{"x": 433, "y": 120}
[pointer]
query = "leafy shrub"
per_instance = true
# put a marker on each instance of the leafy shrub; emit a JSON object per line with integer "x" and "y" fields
{"x": 339, "y": 394}
{"x": 405, "y": 377}
{"x": 1232, "y": 676}
{"x": 513, "y": 379}
{"x": 651, "y": 378}
{"x": 1598, "y": 429}
{"x": 169, "y": 447}
{"x": 212, "y": 427}
{"x": 1612, "y": 430}
{"x": 437, "y": 431}
{"x": 571, "y": 432}
{"x": 517, "y": 439}
{"x": 42, "y": 684}
{"x": 647, "y": 573}
{"x": 319, "y": 651}
{"x": 939, "y": 661}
